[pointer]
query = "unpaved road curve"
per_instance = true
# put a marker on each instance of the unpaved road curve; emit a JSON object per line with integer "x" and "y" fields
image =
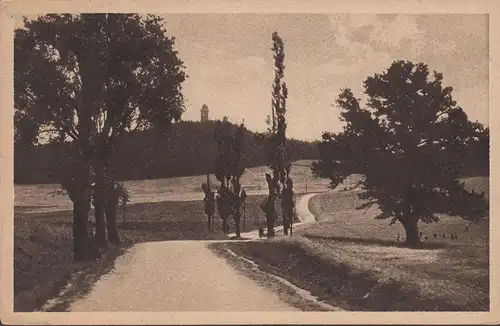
{"x": 181, "y": 276}
{"x": 177, "y": 276}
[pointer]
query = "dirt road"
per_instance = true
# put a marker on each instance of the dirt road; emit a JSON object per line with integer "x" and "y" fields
{"x": 181, "y": 276}
{"x": 177, "y": 276}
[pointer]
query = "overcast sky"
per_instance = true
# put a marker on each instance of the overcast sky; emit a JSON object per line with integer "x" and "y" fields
{"x": 231, "y": 68}
{"x": 230, "y": 64}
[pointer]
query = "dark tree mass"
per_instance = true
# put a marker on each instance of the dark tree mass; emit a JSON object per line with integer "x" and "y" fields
{"x": 188, "y": 149}
{"x": 411, "y": 143}
{"x": 90, "y": 79}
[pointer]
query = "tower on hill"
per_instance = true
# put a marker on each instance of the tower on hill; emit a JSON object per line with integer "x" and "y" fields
{"x": 204, "y": 113}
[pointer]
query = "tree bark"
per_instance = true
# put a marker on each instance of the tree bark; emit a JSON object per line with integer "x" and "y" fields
{"x": 270, "y": 227}
{"x": 111, "y": 208}
{"x": 226, "y": 224}
{"x": 270, "y": 216}
{"x": 411, "y": 230}
{"x": 237, "y": 218}
{"x": 100, "y": 206}
{"x": 286, "y": 223}
{"x": 77, "y": 185}
{"x": 81, "y": 209}
{"x": 270, "y": 209}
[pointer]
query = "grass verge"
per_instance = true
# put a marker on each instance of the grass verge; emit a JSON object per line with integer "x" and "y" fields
{"x": 355, "y": 278}
{"x": 354, "y": 262}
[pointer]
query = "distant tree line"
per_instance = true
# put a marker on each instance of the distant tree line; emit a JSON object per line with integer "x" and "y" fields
{"x": 188, "y": 149}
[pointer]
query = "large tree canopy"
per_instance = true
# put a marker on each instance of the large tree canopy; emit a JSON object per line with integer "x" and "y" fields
{"x": 89, "y": 79}
{"x": 409, "y": 142}
{"x": 124, "y": 62}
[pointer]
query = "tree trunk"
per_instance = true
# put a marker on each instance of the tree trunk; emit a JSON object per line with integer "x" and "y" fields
{"x": 225, "y": 226}
{"x": 270, "y": 216}
{"x": 270, "y": 209}
{"x": 106, "y": 199}
{"x": 80, "y": 231}
{"x": 111, "y": 204}
{"x": 412, "y": 235}
{"x": 286, "y": 222}
{"x": 111, "y": 208}
{"x": 244, "y": 215}
{"x": 100, "y": 206}
{"x": 237, "y": 218}
{"x": 100, "y": 225}
{"x": 270, "y": 227}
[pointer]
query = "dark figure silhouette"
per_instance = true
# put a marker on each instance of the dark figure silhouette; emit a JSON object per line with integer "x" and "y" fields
{"x": 435, "y": 236}
{"x": 420, "y": 235}
{"x": 209, "y": 203}
{"x": 444, "y": 236}
{"x": 261, "y": 232}
{"x": 287, "y": 205}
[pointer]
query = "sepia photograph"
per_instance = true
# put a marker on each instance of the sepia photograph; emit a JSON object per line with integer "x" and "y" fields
{"x": 243, "y": 162}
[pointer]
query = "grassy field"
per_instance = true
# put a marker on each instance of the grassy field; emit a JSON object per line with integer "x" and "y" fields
{"x": 354, "y": 262}
{"x": 43, "y": 244}
{"x": 38, "y": 197}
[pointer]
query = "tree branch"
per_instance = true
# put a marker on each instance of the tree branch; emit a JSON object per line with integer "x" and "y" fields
{"x": 70, "y": 130}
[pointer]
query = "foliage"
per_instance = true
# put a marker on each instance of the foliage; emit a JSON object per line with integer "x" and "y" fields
{"x": 122, "y": 193}
{"x": 409, "y": 143}
{"x": 275, "y": 141}
{"x": 229, "y": 168}
{"x": 88, "y": 79}
{"x": 230, "y": 143}
{"x": 141, "y": 79}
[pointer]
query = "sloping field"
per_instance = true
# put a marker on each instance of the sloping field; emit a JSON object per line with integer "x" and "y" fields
{"x": 352, "y": 261}
{"x": 38, "y": 198}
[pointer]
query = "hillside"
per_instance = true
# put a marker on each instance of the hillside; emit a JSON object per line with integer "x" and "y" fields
{"x": 188, "y": 149}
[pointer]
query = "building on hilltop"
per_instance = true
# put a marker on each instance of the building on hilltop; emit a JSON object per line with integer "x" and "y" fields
{"x": 204, "y": 113}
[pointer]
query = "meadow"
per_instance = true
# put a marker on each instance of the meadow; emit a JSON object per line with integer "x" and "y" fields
{"x": 355, "y": 262}
{"x": 39, "y": 197}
